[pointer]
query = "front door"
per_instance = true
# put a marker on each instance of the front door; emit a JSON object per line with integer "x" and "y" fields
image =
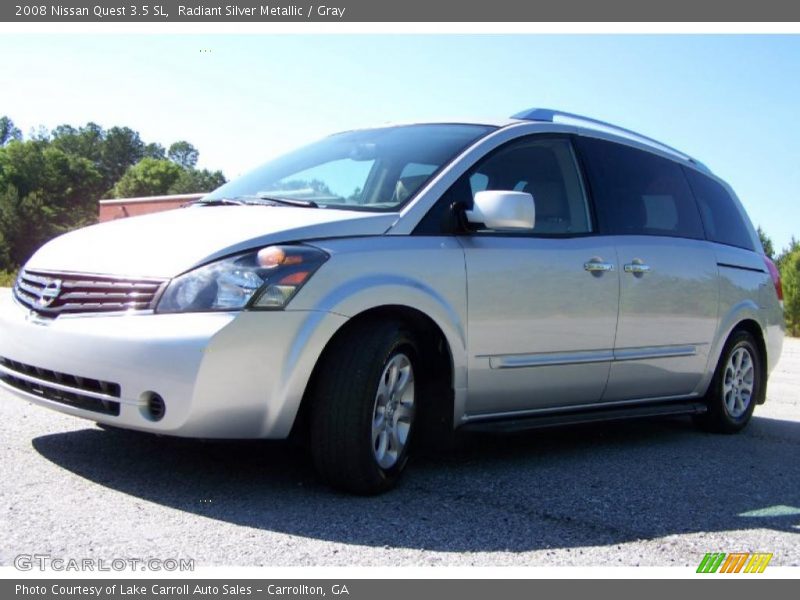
{"x": 541, "y": 326}
{"x": 542, "y": 305}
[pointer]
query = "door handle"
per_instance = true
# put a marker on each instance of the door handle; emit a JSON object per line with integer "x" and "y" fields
{"x": 596, "y": 266}
{"x": 637, "y": 268}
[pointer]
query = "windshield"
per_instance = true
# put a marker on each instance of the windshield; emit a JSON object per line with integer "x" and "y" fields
{"x": 374, "y": 169}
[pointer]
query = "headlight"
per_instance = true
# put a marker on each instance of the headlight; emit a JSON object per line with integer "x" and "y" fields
{"x": 267, "y": 278}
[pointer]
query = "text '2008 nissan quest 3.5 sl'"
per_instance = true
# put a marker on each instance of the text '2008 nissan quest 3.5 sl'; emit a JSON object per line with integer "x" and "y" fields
{"x": 385, "y": 285}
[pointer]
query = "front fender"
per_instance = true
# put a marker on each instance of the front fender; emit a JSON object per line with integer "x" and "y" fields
{"x": 362, "y": 294}
{"x": 426, "y": 274}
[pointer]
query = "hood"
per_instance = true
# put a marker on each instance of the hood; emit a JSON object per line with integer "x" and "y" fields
{"x": 168, "y": 243}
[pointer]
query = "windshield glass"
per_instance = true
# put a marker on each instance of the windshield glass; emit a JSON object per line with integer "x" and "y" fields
{"x": 373, "y": 169}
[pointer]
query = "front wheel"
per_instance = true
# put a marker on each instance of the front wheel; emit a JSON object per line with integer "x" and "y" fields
{"x": 736, "y": 387}
{"x": 364, "y": 404}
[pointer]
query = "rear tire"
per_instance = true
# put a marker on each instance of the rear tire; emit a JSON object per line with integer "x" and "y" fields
{"x": 737, "y": 386}
{"x": 364, "y": 400}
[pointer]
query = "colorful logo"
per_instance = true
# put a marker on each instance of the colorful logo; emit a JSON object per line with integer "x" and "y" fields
{"x": 736, "y": 562}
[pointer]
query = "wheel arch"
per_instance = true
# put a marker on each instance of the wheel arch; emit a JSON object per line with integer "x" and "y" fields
{"x": 754, "y": 329}
{"x": 745, "y": 321}
{"x": 440, "y": 356}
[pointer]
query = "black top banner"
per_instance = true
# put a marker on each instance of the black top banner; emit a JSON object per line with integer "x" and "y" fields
{"x": 241, "y": 11}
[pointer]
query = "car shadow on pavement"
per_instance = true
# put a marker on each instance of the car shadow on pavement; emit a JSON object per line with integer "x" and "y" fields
{"x": 567, "y": 487}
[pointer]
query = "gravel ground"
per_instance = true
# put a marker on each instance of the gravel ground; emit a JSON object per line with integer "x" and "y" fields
{"x": 654, "y": 492}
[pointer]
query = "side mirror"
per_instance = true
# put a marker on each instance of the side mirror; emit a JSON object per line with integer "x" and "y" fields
{"x": 498, "y": 209}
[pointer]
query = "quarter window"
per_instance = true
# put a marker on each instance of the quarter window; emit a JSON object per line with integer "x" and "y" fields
{"x": 722, "y": 218}
{"x": 639, "y": 193}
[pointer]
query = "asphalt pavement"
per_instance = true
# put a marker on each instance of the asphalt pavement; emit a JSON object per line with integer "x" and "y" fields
{"x": 652, "y": 492}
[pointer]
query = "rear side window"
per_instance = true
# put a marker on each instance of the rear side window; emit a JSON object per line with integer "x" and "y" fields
{"x": 639, "y": 193}
{"x": 723, "y": 221}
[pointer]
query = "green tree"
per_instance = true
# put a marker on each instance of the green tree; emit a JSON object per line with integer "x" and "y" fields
{"x": 43, "y": 192}
{"x": 26, "y": 222}
{"x": 122, "y": 148}
{"x": 184, "y": 154}
{"x": 790, "y": 277}
{"x": 111, "y": 151}
{"x": 794, "y": 245}
{"x": 5, "y": 246}
{"x": 192, "y": 181}
{"x": 86, "y": 141}
{"x": 8, "y": 131}
{"x": 148, "y": 177}
{"x": 66, "y": 180}
{"x": 39, "y": 134}
{"x": 155, "y": 151}
{"x": 766, "y": 243}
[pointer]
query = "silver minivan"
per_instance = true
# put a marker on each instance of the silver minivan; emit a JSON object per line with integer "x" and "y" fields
{"x": 386, "y": 286}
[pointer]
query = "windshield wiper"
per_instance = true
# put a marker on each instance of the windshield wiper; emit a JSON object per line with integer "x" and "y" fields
{"x": 288, "y": 201}
{"x": 256, "y": 200}
{"x": 219, "y": 202}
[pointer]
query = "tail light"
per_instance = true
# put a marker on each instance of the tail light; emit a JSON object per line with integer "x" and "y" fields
{"x": 776, "y": 277}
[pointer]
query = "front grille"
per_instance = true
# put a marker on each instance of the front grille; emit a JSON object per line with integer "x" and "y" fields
{"x": 81, "y": 392}
{"x": 53, "y": 294}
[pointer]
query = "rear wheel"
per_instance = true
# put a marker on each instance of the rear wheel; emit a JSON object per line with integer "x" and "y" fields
{"x": 364, "y": 404}
{"x": 737, "y": 386}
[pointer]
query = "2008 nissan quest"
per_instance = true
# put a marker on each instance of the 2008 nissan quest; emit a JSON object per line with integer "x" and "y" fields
{"x": 390, "y": 284}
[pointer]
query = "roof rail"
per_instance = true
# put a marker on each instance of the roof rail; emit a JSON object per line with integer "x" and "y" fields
{"x": 549, "y": 115}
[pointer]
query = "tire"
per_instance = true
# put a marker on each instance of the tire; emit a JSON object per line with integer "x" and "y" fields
{"x": 737, "y": 386}
{"x": 364, "y": 400}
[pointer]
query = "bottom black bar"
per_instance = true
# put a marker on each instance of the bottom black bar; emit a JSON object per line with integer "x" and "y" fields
{"x": 732, "y": 587}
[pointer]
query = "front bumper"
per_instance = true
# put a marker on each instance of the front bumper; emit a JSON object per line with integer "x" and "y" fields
{"x": 221, "y": 375}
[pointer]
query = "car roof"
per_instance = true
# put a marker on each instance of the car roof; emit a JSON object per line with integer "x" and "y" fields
{"x": 576, "y": 123}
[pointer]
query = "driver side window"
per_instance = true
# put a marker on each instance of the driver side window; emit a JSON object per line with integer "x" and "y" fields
{"x": 544, "y": 167}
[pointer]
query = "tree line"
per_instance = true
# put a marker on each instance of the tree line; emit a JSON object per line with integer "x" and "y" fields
{"x": 50, "y": 181}
{"x": 788, "y": 263}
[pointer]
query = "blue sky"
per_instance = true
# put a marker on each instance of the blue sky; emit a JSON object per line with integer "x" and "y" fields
{"x": 731, "y": 101}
